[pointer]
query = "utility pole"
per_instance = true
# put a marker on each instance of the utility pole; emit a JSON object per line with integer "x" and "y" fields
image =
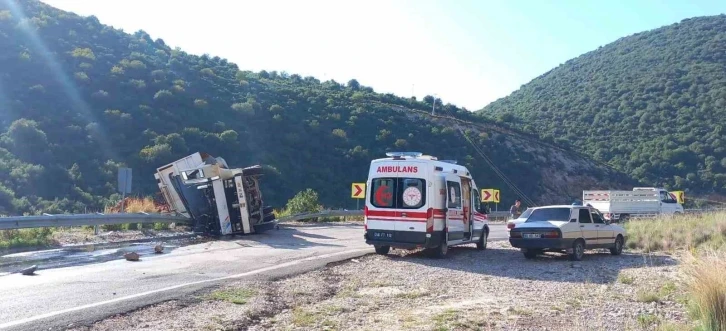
{"x": 433, "y": 109}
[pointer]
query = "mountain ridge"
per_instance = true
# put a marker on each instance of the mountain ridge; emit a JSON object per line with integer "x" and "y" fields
{"x": 650, "y": 104}
{"x": 80, "y": 99}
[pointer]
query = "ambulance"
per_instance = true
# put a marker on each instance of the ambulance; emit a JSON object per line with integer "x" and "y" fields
{"x": 417, "y": 201}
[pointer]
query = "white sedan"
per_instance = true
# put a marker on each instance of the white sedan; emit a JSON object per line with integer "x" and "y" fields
{"x": 570, "y": 229}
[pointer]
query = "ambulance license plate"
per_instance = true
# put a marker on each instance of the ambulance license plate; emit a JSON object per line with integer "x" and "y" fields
{"x": 382, "y": 235}
{"x": 532, "y": 235}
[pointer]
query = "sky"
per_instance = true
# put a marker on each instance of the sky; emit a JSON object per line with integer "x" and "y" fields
{"x": 466, "y": 52}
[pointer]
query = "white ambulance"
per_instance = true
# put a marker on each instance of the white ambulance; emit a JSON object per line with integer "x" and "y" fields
{"x": 416, "y": 201}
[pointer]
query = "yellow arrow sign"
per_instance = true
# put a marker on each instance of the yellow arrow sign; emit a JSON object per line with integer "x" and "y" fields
{"x": 487, "y": 195}
{"x": 680, "y": 196}
{"x": 358, "y": 191}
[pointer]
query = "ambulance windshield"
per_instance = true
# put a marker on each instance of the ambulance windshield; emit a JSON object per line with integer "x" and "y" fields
{"x": 398, "y": 193}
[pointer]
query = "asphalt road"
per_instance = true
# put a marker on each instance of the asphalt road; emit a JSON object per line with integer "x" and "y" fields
{"x": 55, "y": 298}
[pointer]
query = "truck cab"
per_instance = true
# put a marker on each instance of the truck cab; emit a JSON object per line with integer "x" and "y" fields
{"x": 416, "y": 201}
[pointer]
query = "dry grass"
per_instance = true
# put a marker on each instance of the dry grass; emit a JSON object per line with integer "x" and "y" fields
{"x": 703, "y": 239}
{"x": 707, "y": 286}
{"x": 134, "y": 205}
{"x": 669, "y": 233}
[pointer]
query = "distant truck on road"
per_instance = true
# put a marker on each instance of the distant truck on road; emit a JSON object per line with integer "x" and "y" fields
{"x": 640, "y": 202}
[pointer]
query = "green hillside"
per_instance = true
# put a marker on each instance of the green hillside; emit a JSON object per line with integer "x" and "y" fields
{"x": 79, "y": 99}
{"x": 652, "y": 105}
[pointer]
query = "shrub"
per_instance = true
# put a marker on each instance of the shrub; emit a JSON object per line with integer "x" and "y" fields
{"x": 25, "y": 237}
{"x": 303, "y": 202}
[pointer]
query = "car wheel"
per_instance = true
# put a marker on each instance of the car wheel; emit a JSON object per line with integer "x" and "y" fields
{"x": 382, "y": 250}
{"x": 618, "y": 246}
{"x": 482, "y": 243}
{"x": 578, "y": 250}
{"x": 530, "y": 254}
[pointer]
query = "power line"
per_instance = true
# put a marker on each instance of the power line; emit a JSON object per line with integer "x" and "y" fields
{"x": 499, "y": 173}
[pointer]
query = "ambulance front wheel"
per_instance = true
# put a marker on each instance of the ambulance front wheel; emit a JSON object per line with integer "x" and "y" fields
{"x": 382, "y": 250}
{"x": 482, "y": 243}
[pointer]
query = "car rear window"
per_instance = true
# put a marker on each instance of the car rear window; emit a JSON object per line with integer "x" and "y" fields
{"x": 549, "y": 214}
{"x": 399, "y": 193}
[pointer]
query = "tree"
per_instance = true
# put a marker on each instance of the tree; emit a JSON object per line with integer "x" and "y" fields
{"x": 353, "y": 84}
{"x": 244, "y": 108}
{"x": 163, "y": 94}
{"x": 200, "y": 103}
{"x": 429, "y": 99}
{"x": 86, "y": 53}
{"x": 229, "y": 136}
{"x": 27, "y": 140}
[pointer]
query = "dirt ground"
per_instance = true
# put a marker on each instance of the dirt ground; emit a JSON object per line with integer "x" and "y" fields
{"x": 78, "y": 235}
{"x": 494, "y": 289}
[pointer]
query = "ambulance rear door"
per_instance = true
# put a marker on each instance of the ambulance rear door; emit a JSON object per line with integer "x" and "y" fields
{"x": 454, "y": 206}
{"x": 399, "y": 193}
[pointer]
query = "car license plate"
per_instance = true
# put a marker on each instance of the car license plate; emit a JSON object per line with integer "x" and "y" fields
{"x": 532, "y": 235}
{"x": 382, "y": 235}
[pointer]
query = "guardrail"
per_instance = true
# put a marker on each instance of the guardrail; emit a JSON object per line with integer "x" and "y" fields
{"x": 700, "y": 211}
{"x": 64, "y": 220}
{"x": 47, "y": 220}
{"x": 343, "y": 213}
{"x": 323, "y": 213}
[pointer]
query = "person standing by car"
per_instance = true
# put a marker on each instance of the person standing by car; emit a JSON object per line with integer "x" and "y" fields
{"x": 514, "y": 211}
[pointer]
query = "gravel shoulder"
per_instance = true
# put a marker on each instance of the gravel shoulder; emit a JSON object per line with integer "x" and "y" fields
{"x": 469, "y": 290}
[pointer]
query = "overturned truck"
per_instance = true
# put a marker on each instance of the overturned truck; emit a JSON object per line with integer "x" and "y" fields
{"x": 218, "y": 200}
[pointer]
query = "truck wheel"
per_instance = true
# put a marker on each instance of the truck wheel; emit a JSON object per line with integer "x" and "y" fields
{"x": 624, "y": 218}
{"x": 578, "y": 250}
{"x": 482, "y": 243}
{"x": 382, "y": 250}
{"x": 618, "y": 246}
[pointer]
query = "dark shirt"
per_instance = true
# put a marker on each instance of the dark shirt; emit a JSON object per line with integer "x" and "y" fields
{"x": 514, "y": 211}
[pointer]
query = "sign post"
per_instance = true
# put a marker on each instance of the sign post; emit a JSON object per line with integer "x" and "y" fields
{"x": 358, "y": 191}
{"x": 490, "y": 195}
{"x": 124, "y": 184}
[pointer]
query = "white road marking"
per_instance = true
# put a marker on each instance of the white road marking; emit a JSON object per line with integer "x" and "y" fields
{"x": 244, "y": 274}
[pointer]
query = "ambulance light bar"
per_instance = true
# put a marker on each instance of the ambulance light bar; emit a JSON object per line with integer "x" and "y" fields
{"x": 402, "y": 154}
